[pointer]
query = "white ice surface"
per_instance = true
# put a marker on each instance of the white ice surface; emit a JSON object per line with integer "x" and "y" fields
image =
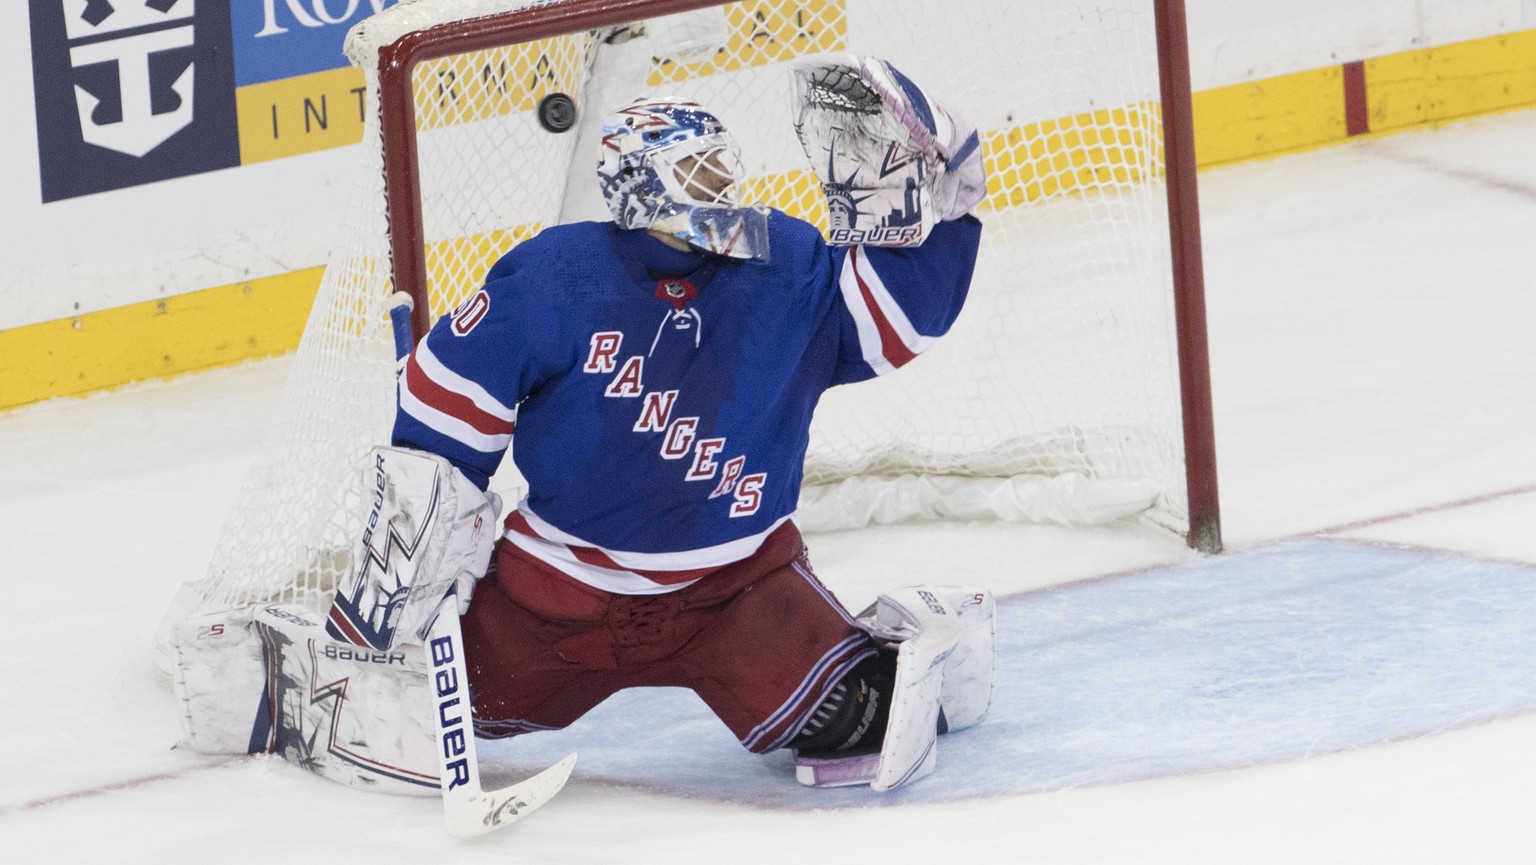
{"x": 1372, "y": 307}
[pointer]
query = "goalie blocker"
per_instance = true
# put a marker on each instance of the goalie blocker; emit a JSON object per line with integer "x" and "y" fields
{"x": 428, "y": 529}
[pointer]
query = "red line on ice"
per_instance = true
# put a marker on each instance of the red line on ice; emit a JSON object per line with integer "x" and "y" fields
{"x": 91, "y": 792}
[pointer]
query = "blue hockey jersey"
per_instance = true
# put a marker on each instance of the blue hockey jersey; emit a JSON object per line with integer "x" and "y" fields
{"x": 662, "y": 399}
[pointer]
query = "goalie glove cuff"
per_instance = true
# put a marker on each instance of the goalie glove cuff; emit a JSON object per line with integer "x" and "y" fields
{"x": 958, "y": 179}
{"x": 963, "y": 184}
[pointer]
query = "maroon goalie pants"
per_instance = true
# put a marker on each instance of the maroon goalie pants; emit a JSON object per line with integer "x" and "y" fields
{"x": 761, "y": 641}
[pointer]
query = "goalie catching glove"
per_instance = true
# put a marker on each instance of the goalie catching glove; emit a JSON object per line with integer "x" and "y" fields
{"x": 892, "y": 162}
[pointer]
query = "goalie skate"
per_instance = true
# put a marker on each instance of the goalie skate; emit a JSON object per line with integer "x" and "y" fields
{"x": 945, "y": 639}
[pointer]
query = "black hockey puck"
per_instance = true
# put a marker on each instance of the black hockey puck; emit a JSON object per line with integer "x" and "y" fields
{"x": 557, "y": 112}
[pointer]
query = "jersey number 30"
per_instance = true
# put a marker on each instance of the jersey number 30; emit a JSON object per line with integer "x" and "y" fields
{"x": 471, "y": 312}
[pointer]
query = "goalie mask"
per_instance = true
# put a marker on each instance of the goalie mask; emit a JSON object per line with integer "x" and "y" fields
{"x": 668, "y": 165}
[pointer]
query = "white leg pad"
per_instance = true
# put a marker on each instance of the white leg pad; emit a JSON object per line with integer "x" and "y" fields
{"x": 972, "y": 666}
{"x": 219, "y": 679}
{"x": 267, "y": 679}
{"x": 945, "y": 641}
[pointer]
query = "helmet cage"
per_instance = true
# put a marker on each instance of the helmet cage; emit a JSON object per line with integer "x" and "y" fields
{"x": 670, "y": 166}
{"x": 699, "y": 171}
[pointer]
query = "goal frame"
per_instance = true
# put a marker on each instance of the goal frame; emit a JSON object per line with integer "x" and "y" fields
{"x": 403, "y": 212}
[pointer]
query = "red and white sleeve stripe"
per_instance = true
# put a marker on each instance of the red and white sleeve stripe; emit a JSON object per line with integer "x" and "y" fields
{"x": 887, "y": 338}
{"x": 454, "y": 406}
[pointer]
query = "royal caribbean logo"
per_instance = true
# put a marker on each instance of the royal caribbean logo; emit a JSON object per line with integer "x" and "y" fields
{"x": 130, "y": 92}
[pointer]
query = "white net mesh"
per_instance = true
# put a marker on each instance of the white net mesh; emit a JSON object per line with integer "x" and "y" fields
{"x": 1063, "y": 362}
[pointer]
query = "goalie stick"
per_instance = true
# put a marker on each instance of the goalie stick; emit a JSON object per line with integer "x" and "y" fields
{"x": 469, "y": 809}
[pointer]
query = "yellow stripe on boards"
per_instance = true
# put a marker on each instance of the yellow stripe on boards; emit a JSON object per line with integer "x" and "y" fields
{"x": 157, "y": 339}
{"x": 1272, "y": 115}
{"x": 1451, "y": 81}
{"x": 1094, "y": 150}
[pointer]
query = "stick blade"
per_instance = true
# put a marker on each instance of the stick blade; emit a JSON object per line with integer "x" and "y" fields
{"x": 475, "y": 812}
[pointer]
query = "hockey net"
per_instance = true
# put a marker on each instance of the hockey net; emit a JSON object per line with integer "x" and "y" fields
{"x": 1055, "y": 397}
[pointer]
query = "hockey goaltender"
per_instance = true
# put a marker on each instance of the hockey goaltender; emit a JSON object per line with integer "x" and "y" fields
{"x": 661, "y": 370}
